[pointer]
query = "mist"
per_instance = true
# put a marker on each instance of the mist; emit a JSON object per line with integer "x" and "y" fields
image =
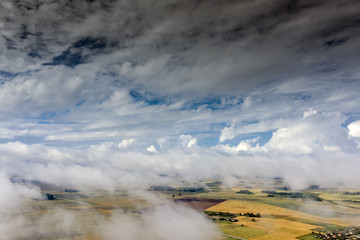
{"x": 27, "y": 214}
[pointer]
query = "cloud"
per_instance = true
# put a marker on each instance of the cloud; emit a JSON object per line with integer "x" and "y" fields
{"x": 188, "y": 141}
{"x": 291, "y": 140}
{"x": 302, "y": 147}
{"x": 126, "y": 143}
{"x": 162, "y": 222}
{"x": 257, "y": 86}
{"x": 332, "y": 148}
{"x": 354, "y": 129}
{"x": 192, "y": 142}
{"x": 310, "y": 113}
{"x": 12, "y": 194}
{"x": 189, "y": 54}
{"x": 227, "y": 133}
{"x": 316, "y": 131}
{"x": 152, "y": 149}
{"x": 247, "y": 145}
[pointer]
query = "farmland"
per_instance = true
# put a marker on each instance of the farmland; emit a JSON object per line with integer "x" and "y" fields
{"x": 287, "y": 214}
{"x": 254, "y": 213}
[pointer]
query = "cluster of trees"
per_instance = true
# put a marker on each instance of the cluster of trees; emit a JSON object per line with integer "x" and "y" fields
{"x": 220, "y": 214}
{"x": 272, "y": 193}
{"x": 351, "y": 193}
{"x": 71, "y": 190}
{"x": 231, "y": 215}
{"x": 50, "y": 196}
{"x": 269, "y": 192}
{"x": 244, "y": 192}
{"x": 258, "y": 215}
{"x": 286, "y": 194}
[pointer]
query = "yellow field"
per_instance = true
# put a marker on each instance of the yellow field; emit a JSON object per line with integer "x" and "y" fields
{"x": 278, "y": 222}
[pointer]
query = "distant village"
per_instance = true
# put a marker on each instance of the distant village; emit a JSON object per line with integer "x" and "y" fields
{"x": 349, "y": 233}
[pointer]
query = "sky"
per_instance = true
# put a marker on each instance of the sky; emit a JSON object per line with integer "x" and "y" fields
{"x": 117, "y": 92}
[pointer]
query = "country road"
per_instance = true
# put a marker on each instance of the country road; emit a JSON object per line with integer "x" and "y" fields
{"x": 233, "y": 237}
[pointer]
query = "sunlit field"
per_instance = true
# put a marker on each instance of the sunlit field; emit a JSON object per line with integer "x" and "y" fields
{"x": 285, "y": 215}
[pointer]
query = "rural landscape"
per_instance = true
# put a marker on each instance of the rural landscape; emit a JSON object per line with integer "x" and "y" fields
{"x": 245, "y": 211}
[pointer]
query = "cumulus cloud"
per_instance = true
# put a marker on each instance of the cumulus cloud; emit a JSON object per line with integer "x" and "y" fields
{"x": 227, "y": 133}
{"x": 301, "y": 149}
{"x": 192, "y": 142}
{"x": 188, "y": 141}
{"x": 312, "y": 133}
{"x": 309, "y": 113}
{"x": 152, "y": 149}
{"x": 245, "y": 146}
{"x": 354, "y": 129}
{"x": 332, "y": 148}
{"x": 290, "y": 140}
{"x": 126, "y": 143}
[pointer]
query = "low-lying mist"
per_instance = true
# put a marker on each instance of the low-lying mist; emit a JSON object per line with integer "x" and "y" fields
{"x": 25, "y": 213}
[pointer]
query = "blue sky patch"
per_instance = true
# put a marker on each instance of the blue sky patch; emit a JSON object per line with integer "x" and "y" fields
{"x": 139, "y": 97}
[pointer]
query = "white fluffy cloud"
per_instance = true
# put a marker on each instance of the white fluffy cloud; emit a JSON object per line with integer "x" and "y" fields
{"x": 294, "y": 140}
{"x": 188, "y": 141}
{"x": 12, "y": 195}
{"x": 126, "y": 143}
{"x": 354, "y": 129}
{"x": 227, "y": 133}
{"x": 309, "y": 113}
{"x": 152, "y": 149}
{"x": 305, "y": 142}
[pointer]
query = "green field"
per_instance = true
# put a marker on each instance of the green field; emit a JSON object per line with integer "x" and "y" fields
{"x": 237, "y": 230}
{"x": 307, "y": 237}
{"x": 286, "y": 217}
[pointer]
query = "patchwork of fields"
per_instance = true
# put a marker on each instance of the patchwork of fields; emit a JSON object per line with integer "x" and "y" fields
{"x": 283, "y": 216}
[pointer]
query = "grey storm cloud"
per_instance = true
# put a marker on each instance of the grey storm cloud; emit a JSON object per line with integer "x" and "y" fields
{"x": 172, "y": 47}
{"x": 57, "y": 55}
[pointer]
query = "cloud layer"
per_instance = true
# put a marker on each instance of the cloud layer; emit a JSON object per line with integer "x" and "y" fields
{"x": 98, "y": 89}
